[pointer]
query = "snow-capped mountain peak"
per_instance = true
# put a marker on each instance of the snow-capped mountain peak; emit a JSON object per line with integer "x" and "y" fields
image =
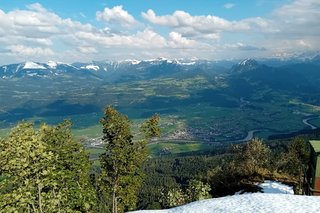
{"x": 132, "y": 61}
{"x": 248, "y": 62}
{"x": 90, "y": 67}
{"x": 32, "y": 65}
{"x": 245, "y": 65}
{"x": 52, "y": 64}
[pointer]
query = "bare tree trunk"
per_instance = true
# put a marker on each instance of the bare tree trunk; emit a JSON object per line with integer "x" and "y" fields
{"x": 39, "y": 198}
{"x": 33, "y": 207}
{"x": 116, "y": 205}
{"x": 54, "y": 195}
{"x": 114, "y": 199}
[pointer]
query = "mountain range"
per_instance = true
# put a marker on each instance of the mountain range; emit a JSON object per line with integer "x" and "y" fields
{"x": 135, "y": 68}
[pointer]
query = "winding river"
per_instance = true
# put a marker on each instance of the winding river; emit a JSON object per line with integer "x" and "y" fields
{"x": 306, "y": 122}
{"x": 249, "y": 136}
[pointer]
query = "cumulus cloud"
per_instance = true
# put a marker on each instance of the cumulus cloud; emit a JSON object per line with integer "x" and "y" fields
{"x": 177, "y": 41}
{"x": 30, "y": 51}
{"x": 116, "y": 15}
{"x": 189, "y": 25}
{"x": 300, "y": 18}
{"x": 38, "y": 33}
{"x": 183, "y": 20}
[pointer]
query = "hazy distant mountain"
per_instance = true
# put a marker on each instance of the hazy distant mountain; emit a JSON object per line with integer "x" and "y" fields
{"x": 127, "y": 69}
{"x": 39, "y": 70}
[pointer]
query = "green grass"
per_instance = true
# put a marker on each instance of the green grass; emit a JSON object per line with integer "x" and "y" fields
{"x": 91, "y": 131}
{"x": 156, "y": 148}
{"x": 95, "y": 153}
{"x": 178, "y": 148}
{"x": 4, "y": 132}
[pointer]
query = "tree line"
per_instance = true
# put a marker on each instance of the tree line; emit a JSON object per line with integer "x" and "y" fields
{"x": 46, "y": 170}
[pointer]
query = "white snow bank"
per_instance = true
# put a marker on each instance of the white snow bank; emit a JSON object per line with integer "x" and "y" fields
{"x": 256, "y": 202}
{"x": 275, "y": 187}
{"x": 272, "y": 187}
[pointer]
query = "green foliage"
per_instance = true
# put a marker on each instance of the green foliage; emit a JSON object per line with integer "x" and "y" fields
{"x": 174, "y": 197}
{"x": 121, "y": 164}
{"x": 251, "y": 158}
{"x": 166, "y": 173}
{"x": 197, "y": 190}
{"x": 294, "y": 160}
{"x": 72, "y": 165}
{"x": 248, "y": 164}
{"x": 150, "y": 128}
{"x": 40, "y": 177}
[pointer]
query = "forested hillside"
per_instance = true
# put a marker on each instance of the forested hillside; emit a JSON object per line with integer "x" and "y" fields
{"x": 46, "y": 169}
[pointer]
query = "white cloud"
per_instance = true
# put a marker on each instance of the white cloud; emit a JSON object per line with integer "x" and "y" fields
{"x": 181, "y": 19}
{"x": 25, "y": 51}
{"x": 189, "y": 25}
{"x": 177, "y": 41}
{"x": 116, "y": 15}
{"x": 36, "y": 33}
{"x": 88, "y": 50}
{"x": 146, "y": 39}
{"x": 229, "y": 5}
{"x": 300, "y": 18}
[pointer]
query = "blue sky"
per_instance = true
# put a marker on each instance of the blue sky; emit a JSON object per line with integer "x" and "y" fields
{"x": 74, "y": 30}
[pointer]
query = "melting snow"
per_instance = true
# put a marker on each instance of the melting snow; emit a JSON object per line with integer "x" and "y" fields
{"x": 277, "y": 198}
{"x": 257, "y": 203}
{"x": 275, "y": 188}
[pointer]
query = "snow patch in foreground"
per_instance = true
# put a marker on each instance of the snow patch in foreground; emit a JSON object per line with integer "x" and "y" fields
{"x": 256, "y": 202}
{"x": 276, "y": 198}
{"x": 272, "y": 187}
{"x": 276, "y": 187}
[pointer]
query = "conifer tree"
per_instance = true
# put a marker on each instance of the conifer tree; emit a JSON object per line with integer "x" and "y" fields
{"x": 121, "y": 164}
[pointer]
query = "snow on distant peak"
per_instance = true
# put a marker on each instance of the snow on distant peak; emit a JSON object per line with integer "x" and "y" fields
{"x": 132, "y": 61}
{"x": 159, "y": 59}
{"x": 32, "y": 65}
{"x": 52, "y": 64}
{"x": 91, "y": 67}
{"x": 186, "y": 63}
{"x": 163, "y": 59}
{"x": 248, "y": 62}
